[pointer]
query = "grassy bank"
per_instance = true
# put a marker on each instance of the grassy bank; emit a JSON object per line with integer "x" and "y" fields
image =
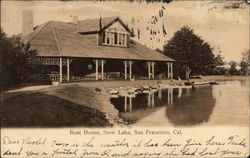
{"x": 59, "y": 106}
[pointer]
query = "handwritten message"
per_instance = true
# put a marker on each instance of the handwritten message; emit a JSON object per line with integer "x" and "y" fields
{"x": 124, "y": 143}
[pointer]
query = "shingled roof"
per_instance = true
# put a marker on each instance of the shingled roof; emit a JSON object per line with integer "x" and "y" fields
{"x": 93, "y": 25}
{"x": 61, "y": 39}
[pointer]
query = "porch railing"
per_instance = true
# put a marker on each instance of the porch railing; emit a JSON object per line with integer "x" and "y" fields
{"x": 45, "y": 77}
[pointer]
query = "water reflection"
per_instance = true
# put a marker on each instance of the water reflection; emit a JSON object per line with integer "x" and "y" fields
{"x": 134, "y": 107}
{"x": 210, "y": 105}
{"x": 146, "y": 99}
{"x": 180, "y": 93}
{"x": 170, "y": 96}
{"x": 192, "y": 109}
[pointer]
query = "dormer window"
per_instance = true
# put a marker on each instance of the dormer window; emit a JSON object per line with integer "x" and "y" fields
{"x": 114, "y": 38}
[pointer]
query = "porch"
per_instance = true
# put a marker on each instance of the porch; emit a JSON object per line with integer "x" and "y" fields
{"x": 66, "y": 69}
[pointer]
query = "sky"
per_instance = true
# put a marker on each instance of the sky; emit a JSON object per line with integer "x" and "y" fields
{"x": 225, "y": 28}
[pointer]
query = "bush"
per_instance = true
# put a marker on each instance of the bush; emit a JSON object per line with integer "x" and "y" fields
{"x": 241, "y": 73}
{"x": 14, "y": 64}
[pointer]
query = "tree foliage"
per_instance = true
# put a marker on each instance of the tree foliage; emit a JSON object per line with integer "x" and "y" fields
{"x": 232, "y": 69}
{"x": 14, "y": 64}
{"x": 219, "y": 68}
{"x": 245, "y": 61}
{"x": 190, "y": 52}
{"x": 219, "y": 60}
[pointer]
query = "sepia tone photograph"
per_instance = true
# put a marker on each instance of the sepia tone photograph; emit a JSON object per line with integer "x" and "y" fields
{"x": 125, "y": 64}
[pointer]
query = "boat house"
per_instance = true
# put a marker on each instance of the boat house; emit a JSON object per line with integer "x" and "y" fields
{"x": 103, "y": 44}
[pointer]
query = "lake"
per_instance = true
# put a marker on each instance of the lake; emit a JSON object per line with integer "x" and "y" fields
{"x": 225, "y": 104}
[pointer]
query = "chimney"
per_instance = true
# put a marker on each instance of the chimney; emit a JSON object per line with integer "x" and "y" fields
{"x": 27, "y": 22}
{"x": 100, "y": 23}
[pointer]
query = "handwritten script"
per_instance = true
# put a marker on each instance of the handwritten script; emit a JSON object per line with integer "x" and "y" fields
{"x": 93, "y": 145}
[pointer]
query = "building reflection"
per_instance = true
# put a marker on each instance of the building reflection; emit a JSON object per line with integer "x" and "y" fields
{"x": 170, "y": 96}
{"x": 160, "y": 93}
{"x": 193, "y": 108}
{"x": 151, "y": 98}
{"x": 184, "y": 106}
{"x": 128, "y": 105}
{"x": 125, "y": 104}
{"x": 188, "y": 91}
{"x": 179, "y": 92}
{"x": 216, "y": 104}
{"x": 146, "y": 99}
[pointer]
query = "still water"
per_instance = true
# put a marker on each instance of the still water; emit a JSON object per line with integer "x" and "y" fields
{"x": 223, "y": 104}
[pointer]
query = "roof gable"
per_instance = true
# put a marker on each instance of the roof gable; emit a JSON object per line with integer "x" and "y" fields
{"x": 96, "y": 25}
{"x": 93, "y": 25}
{"x": 117, "y": 25}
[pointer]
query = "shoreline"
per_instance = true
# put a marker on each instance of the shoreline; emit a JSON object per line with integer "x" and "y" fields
{"x": 168, "y": 82}
{"x": 90, "y": 98}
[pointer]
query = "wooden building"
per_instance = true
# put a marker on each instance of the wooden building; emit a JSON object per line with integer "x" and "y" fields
{"x": 98, "y": 40}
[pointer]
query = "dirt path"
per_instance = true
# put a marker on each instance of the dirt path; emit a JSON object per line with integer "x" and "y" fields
{"x": 22, "y": 90}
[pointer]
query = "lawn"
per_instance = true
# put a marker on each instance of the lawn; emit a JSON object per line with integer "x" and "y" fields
{"x": 59, "y": 106}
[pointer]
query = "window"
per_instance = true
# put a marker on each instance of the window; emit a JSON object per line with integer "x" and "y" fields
{"x": 103, "y": 37}
{"x": 114, "y": 39}
{"x": 108, "y": 38}
{"x": 120, "y": 40}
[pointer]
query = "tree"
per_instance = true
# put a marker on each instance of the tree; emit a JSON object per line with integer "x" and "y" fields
{"x": 14, "y": 63}
{"x": 219, "y": 60}
{"x": 232, "y": 69}
{"x": 190, "y": 52}
{"x": 245, "y": 62}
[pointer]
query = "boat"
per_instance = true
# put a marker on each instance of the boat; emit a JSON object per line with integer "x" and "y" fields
{"x": 202, "y": 83}
{"x": 123, "y": 93}
{"x": 114, "y": 96}
{"x": 131, "y": 95}
{"x": 145, "y": 87}
{"x": 146, "y": 91}
{"x": 154, "y": 87}
{"x": 139, "y": 88}
{"x": 175, "y": 86}
{"x": 214, "y": 83}
{"x": 133, "y": 89}
{"x": 130, "y": 91}
{"x": 189, "y": 83}
{"x": 113, "y": 91}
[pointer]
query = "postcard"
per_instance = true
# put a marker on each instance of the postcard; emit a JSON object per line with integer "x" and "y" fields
{"x": 135, "y": 79}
